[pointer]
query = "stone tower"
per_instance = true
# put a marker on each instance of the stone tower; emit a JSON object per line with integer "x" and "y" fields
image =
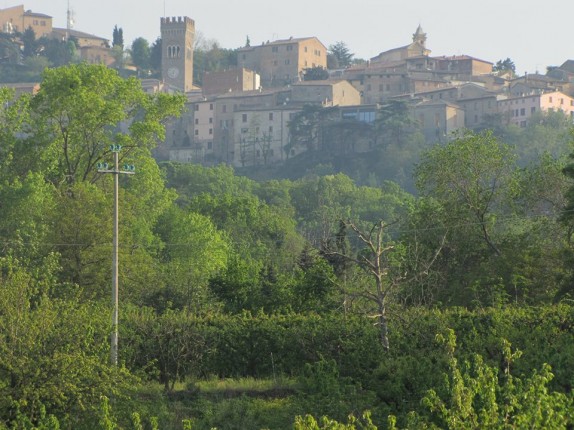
{"x": 177, "y": 34}
{"x": 420, "y": 36}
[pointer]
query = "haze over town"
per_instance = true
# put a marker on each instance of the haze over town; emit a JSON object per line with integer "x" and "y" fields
{"x": 534, "y": 37}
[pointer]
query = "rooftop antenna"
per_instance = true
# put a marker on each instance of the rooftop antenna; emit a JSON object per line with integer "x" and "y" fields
{"x": 69, "y": 21}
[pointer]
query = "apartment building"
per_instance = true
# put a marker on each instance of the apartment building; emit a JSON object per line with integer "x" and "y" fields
{"x": 232, "y": 80}
{"x": 190, "y": 137}
{"x": 282, "y": 62}
{"x": 518, "y": 110}
{"x": 326, "y": 93}
{"x": 261, "y": 136}
{"x": 16, "y": 19}
{"x": 439, "y": 119}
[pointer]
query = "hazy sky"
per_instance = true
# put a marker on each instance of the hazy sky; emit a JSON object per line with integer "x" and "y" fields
{"x": 532, "y": 33}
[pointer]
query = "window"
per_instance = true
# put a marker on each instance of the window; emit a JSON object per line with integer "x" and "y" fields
{"x": 561, "y": 101}
{"x": 244, "y": 117}
{"x": 532, "y": 109}
{"x": 287, "y": 62}
{"x": 211, "y": 120}
{"x": 196, "y": 108}
{"x": 305, "y": 49}
{"x": 476, "y": 118}
{"x": 258, "y": 153}
{"x": 275, "y": 49}
{"x": 550, "y": 99}
{"x": 224, "y": 109}
{"x": 270, "y": 129}
{"x": 270, "y": 116}
{"x": 244, "y": 130}
{"x": 522, "y": 112}
{"x": 210, "y": 106}
{"x": 274, "y": 62}
{"x": 289, "y": 47}
{"x": 196, "y": 121}
{"x": 388, "y": 87}
{"x": 209, "y": 145}
{"x": 210, "y": 131}
{"x": 43, "y": 23}
{"x": 196, "y": 132}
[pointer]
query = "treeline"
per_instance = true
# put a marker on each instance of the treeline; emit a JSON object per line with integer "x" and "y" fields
{"x": 340, "y": 287}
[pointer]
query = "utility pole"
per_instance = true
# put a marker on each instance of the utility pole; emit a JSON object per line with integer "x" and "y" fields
{"x": 128, "y": 170}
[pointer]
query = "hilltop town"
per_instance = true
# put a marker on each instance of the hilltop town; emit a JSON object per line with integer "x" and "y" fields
{"x": 241, "y": 115}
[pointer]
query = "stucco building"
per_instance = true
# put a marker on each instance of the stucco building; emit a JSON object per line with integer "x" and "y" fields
{"x": 282, "y": 62}
{"x": 16, "y": 19}
{"x": 518, "y": 110}
{"x": 232, "y": 80}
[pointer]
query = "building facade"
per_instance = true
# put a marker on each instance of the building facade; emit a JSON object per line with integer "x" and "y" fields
{"x": 519, "y": 110}
{"x": 282, "y": 62}
{"x": 16, "y": 19}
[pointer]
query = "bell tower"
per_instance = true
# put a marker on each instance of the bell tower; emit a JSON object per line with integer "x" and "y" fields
{"x": 177, "y": 34}
{"x": 420, "y": 36}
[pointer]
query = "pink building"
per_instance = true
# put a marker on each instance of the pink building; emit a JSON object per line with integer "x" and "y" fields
{"x": 518, "y": 110}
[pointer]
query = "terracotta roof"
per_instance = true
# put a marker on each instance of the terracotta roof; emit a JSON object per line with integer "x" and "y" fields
{"x": 38, "y": 15}
{"x": 280, "y": 42}
{"x": 439, "y": 103}
{"x": 459, "y": 58}
{"x": 78, "y": 34}
{"x": 323, "y": 82}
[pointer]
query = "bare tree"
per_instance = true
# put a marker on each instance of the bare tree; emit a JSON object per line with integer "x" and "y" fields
{"x": 377, "y": 261}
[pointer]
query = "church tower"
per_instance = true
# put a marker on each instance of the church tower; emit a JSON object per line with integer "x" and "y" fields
{"x": 420, "y": 36}
{"x": 177, "y": 34}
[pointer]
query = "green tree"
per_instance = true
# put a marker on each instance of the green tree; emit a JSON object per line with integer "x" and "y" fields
{"x": 394, "y": 123}
{"x": 64, "y": 338}
{"x": 209, "y": 56}
{"x": 339, "y": 56}
{"x": 82, "y": 109}
{"x": 155, "y": 55}
{"x": 479, "y": 398}
{"x": 504, "y": 66}
{"x": 30, "y": 43}
{"x": 194, "y": 251}
{"x": 59, "y": 52}
{"x": 473, "y": 176}
{"x": 118, "y": 37}
{"x": 315, "y": 74}
{"x": 141, "y": 53}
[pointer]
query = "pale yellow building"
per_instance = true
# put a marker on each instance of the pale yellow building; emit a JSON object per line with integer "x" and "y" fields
{"x": 518, "y": 110}
{"x": 282, "y": 62}
{"x": 16, "y": 19}
{"x": 326, "y": 93}
{"x": 439, "y": 119}
{"x": 261, "y": 136}
{"x": 238, "y": 79}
